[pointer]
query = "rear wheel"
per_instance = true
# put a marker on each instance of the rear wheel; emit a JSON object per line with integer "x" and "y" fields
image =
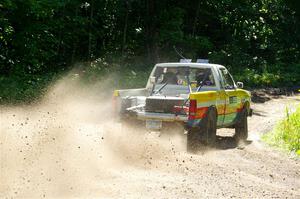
{"x": 193, "y": 140}
{"x": 241, "y": 127}
{"x": 208, "y": 134}
{"x": 205, "y": 135}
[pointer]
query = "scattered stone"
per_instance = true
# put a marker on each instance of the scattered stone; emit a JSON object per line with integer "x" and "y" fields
{"x": 241, "y": 147}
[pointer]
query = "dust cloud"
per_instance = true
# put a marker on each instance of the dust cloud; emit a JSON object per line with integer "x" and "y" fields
{"x": 68, "y": 145}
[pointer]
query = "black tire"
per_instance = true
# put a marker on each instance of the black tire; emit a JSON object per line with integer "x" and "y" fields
{"x": 193, "y": 140}
{"x": 241, "y": 127}
{"x": 208, "y": 134}
{"x": 205, "y": 135}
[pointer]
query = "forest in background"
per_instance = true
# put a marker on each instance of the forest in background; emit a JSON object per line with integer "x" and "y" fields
{"x": 40, "y": 40}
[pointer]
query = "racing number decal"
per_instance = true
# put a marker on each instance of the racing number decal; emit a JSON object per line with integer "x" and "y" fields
{"x": 232, "y": 100}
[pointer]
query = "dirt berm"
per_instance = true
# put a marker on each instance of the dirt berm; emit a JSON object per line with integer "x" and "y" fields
{"x": 66, "y": 147}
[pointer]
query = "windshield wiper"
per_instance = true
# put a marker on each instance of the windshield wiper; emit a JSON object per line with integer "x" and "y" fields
{"x": 163, "y": 86}
{"x": 202, "y": 82}
{"x": 198, "y": 89}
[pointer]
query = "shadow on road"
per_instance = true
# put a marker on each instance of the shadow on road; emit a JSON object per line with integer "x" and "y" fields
{"x": 259, "y": 97}
{"x": 228, "y": 143}
{"x": 259, "y": 113}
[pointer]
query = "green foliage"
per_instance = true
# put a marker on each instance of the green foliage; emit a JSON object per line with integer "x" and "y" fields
{"x": 281, "y": 75}
{"x": 286, "y": 134}
{"x": 30, "y": 88}
{"x": 133, "y": 79}
{"x": 171, "y": 22}
{"x": 258, "y": 38}
{"x": 24, "y": 89}
{"x": 253, "y": 79}
{"x": 123, "y": 76}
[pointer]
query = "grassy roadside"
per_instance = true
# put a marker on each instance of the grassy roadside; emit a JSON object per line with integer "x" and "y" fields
{"x": 286, "y": 134}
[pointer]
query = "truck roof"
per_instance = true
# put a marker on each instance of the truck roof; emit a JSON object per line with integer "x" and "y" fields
{"x": 195, "y": 65}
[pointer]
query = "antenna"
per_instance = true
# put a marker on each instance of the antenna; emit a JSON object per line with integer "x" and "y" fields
{"x": 186, "y": 60}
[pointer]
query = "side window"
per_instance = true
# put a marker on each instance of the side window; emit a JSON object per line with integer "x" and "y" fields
{"x": 204, "y": 76}
{"x": 227, "y": 80}
{"x": 220, "y": 79}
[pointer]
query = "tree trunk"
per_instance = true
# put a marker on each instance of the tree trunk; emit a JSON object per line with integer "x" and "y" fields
{"x": 151, "y": 32}
{"x": 125, "y": 28}
{"x": 60, "y": 35}
{"x": 74, "y": 42}
{"x": 196, "y": 19}
{"x": 90, "y": 31}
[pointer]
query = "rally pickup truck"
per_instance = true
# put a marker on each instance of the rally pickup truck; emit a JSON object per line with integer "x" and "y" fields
{"x": 200, "y": 97}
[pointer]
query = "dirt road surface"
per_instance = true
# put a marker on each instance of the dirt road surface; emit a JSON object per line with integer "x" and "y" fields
{"x": 67, "y": 147}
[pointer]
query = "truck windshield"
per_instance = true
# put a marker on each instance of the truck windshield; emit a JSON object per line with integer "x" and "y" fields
{"x": 178, "y": 76}
{"x": 174, "y": 81}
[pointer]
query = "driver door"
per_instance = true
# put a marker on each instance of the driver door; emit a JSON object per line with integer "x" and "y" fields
{"x": 231, "y": 102}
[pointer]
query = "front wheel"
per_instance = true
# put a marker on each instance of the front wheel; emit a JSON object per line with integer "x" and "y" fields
{"x": 241, "y": 127}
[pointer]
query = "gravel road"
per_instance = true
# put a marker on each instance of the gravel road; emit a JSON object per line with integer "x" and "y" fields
{"x": 66, "y": 147}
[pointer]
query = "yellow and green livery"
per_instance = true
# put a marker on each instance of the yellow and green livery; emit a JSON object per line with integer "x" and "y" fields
{"x": 200, "y": 96}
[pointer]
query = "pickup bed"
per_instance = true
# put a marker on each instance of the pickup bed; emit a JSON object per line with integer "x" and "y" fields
{"x": 199, "y": 97}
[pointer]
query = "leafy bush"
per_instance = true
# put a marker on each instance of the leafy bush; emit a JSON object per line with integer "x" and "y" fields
{"x": 280, "y": 76}
{"x": 252, "y": 78}
{"x": 18, "y": 88}
{"x": 286, "y": 135}
{"x": 124, "y": 75}
{"x": 24, "y": 89}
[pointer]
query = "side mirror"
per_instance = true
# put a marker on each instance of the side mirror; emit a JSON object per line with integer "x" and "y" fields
{"x": 240, "y": 84}
{"x": 152, "y": 80}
